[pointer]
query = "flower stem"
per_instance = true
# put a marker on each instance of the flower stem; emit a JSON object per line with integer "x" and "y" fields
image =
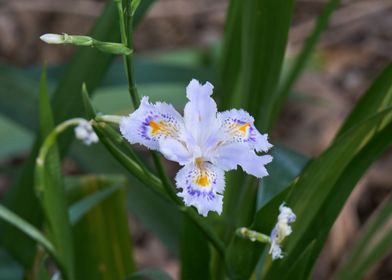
{"x": 253, "y": 235}
{"x": 126, "y": 39}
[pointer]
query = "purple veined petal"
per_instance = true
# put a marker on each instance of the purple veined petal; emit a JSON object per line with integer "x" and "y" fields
{"x": 200, "y": 112}
{"x": 238, "y": 127}
{"x": 151, "y": 122}
{"x": 202, "y": 186}
{"x": 174, "y": 150}
{"x": 229, "y": 156}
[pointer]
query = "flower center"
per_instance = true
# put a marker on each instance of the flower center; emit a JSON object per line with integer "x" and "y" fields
{"x": 202, "y": 178}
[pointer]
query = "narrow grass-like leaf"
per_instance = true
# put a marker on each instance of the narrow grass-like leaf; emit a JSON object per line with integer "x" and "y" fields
{"x": 303, "y": 57}
{"x": 27, "y": 229}
{"x": 103, "y": 248}
{"x": 334, "y": 174}
{"x": 195, "y": 252}
{"x": 50, "y": 189}
{"x": 307, "y": 197}
{"x": 265, "y": 26}
{"x": 231, "y": 57}
{"x": 374, "y": 240}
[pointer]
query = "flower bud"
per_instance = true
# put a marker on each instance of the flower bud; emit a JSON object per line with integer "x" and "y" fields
{"x": 51, "y": 38}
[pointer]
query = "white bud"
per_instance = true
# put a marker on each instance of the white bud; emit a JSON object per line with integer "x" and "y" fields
{"x": 51, "y": 38}
{"x": 85, "y": 132}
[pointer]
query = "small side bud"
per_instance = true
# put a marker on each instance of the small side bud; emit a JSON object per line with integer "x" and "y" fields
{"x": 85, "y": 133}
{"x": 51, "y": 38}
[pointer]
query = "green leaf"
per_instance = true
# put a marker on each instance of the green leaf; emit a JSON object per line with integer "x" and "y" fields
{"x": 376, "y": 98}
{"x": 195, "y": 252}
{"x": 9, "y": 268}
{"x": 50, "y": 189}
{"x": 303, "y": 57}
{"x": 265, "y": 27}
{"x": 373, "y": 242}
{"x": 150, "y": 274}
{"x": 230, "y": 63}
{"x": 79, "y": 209}
{"x": 27, "y": 229}
{"x": 103, "y": 248}
{"x": 286, "y": 165}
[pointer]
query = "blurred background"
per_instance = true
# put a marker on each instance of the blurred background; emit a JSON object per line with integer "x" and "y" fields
{"x": 354, "y": 49}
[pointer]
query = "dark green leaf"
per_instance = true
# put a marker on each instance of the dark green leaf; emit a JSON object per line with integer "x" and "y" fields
{"x": 265, "y": 26}
{"x": 195, "y": 252}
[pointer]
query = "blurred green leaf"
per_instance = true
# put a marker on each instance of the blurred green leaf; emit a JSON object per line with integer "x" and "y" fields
{"x": 150, "y": 274}
{"x": 27, "y": 229}
{"x": 9, "y": 268}
{"x": 50, "y": 189}
{"x": 373, "y": 242}
{"x": 195, "y": 252}
{"x": 14, "y": 138}
{"x": 80, "y": 208}
{"x": 300, "y": 61}
{"x": 287, "y": 164}
{"x": 103, "y": 248}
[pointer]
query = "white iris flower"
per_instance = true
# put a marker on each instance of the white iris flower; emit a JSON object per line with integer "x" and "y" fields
{"x": 281, "y": 230}
{"x": 205, "y": 142}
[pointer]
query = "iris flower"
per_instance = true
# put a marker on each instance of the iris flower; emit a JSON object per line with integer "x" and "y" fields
{"x": 205, "y": 142}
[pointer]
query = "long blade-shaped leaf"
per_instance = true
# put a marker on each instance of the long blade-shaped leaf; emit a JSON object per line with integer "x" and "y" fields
{"x": 326, "y": 183}
{"x": 265, "y": 26}
{"x": 26, "y": 228}
{"x": 50, "y": 189}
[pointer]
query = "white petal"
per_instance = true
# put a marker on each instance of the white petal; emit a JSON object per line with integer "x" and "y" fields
{"x": 151, "y": 122}
{"x": 202, "y": 187}
{"x": 200, "y": 112}
{"x": 238, "y": 127}
{"x": 229, "y": 156}
{"x": 174, "y": 150}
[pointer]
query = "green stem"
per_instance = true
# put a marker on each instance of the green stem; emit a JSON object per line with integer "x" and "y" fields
{"x": 51, "y": 138}
{"x": 253, "y": 235}
{"x": 126, "y": 39}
